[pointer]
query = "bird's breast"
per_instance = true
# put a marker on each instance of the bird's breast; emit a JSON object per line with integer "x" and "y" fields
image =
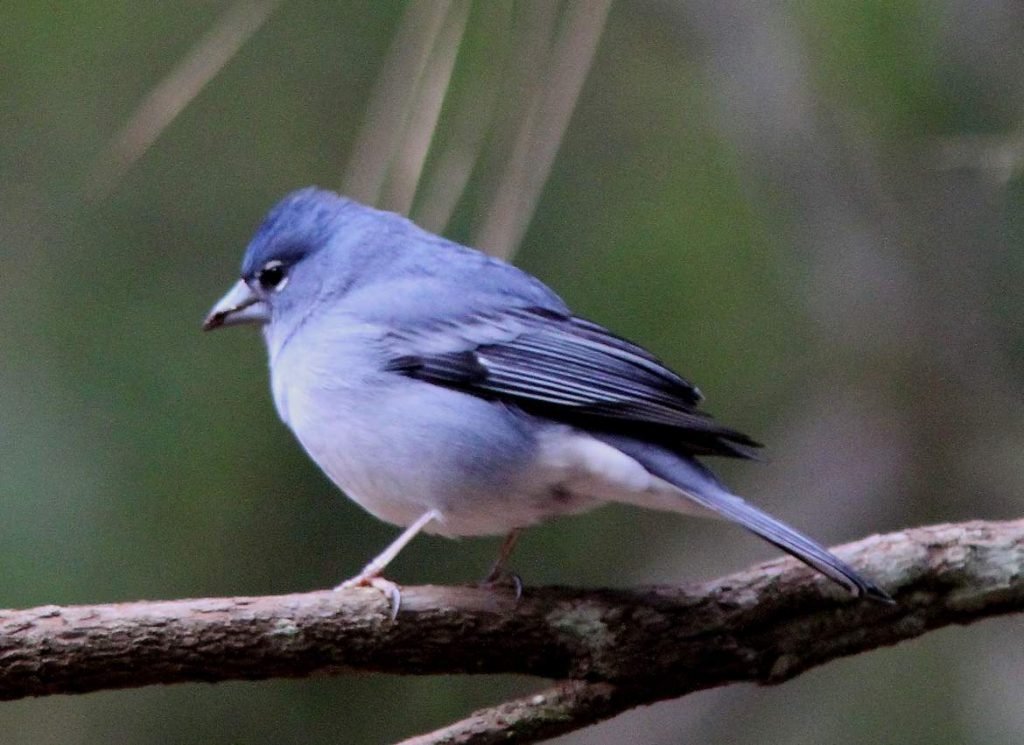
{"x": 399, "y": 447}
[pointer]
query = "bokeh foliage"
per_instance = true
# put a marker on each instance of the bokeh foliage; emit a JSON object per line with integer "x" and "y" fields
{"x": 811, "y": 209}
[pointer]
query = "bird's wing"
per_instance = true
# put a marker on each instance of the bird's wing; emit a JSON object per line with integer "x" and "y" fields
{"x": 567, "y": 369}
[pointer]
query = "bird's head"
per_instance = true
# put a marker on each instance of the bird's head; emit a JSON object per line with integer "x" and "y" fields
{"x": 280, "y": 270}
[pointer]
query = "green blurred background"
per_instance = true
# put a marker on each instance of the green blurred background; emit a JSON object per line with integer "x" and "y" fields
{"x": 812, "y": 209}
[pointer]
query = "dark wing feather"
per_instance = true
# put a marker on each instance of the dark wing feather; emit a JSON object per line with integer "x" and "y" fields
{"x": 570, "y": 370}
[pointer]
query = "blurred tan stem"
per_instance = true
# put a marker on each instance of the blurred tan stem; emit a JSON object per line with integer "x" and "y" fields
{"x": 394, "y": 95}
{"x": 543, "y": 128}
{"x": 525, "y": 74}
{"x": 471, "y": 121}
{"x": 172, "y": 94}
{"x": 411, "y": 154}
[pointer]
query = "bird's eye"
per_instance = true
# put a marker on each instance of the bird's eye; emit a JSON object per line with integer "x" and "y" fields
{"x": 272, "y": 276}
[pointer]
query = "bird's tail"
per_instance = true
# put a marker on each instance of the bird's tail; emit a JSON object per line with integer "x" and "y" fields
{"x": 697, "y": 484}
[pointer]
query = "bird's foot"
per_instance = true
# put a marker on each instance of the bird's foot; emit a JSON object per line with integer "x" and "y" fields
{"x": 390, "y": 589}
{"x": 500, "y": 576}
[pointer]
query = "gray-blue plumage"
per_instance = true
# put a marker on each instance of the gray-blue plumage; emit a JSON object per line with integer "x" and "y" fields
{"x": 447, "y": 390}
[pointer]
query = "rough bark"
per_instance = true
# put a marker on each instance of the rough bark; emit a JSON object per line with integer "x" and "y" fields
{"x": 619, "y": 648}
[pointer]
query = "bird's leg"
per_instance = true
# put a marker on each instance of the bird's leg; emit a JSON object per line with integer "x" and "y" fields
{"x": 507, "y": 546}
{"x": 370, "y": 576}
{"x": 499, "y": 571}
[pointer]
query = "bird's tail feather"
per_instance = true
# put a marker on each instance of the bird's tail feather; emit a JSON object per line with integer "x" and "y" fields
{"x": 700, "y": 486}
{"x": 788, "y": 539}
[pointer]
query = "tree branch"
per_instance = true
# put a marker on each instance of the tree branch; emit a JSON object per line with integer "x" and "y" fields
{"x": 621, "y": 648}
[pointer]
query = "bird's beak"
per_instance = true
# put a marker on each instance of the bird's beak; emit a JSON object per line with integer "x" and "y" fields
{"x": 240, "y": 305}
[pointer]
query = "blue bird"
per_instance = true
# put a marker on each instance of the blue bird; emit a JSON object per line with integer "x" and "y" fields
{"x": 449, "y": 392}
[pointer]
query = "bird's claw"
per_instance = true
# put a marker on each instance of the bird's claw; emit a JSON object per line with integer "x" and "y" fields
{"x": 386, "y": 586}
{"x": 500, "y": 576}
